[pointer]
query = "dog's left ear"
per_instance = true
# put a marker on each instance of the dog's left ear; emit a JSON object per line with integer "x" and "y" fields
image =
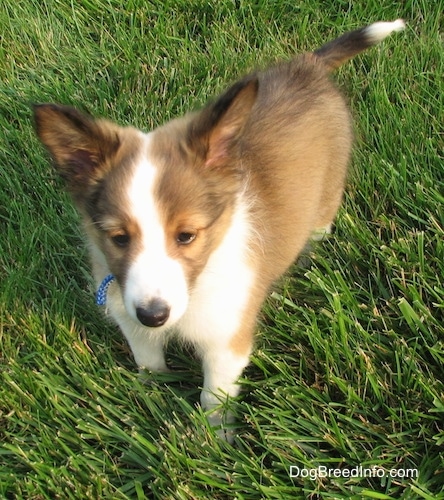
{"x": 217, "y": 128}
{"x": 79, "y": 145}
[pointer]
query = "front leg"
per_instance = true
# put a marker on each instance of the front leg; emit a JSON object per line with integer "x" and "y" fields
{"x": 222, "y": 366}
{"x": 147, "y": 346}
{"x": 221, "y": 373}
{"x": 147, "y": 349}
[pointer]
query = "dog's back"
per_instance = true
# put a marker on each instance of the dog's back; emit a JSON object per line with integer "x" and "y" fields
{"x": 296, "y": 148}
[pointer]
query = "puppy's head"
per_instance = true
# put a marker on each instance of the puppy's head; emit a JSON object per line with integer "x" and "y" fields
{"x": 154, "y": 205}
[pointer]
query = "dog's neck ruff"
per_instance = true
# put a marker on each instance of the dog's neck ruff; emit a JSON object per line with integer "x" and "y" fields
{"x": 103, "y": 289}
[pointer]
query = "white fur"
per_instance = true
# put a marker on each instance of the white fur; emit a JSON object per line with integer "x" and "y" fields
{"x": 378, "y": 31}
{"x": 222, "y": 289}
{"x": 153, "y": 274}
{"x": 147, "y": 345}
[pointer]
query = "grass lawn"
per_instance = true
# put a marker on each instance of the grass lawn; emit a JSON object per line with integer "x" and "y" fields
{"x": 348, "y": 371}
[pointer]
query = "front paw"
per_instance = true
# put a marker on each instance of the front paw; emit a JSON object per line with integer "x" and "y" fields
{"x": 162, "y": 369}
{"x": 219, "y": 417}
{"x": 222, "y": 422}
{"x": 146, "y": 376}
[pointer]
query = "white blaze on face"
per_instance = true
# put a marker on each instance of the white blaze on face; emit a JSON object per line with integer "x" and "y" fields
{"x": 153, "y": 275}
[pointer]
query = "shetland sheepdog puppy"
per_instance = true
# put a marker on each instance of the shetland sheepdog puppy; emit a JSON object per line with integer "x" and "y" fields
{"x": 190, "y": 224}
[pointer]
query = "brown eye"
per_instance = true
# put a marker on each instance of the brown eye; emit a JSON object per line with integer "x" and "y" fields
{"x": 185, "y": 238}
{"x": 121, "y": 239}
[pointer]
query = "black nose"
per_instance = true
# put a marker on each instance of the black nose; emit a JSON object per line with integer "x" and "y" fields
{"x": 155, "y": 313}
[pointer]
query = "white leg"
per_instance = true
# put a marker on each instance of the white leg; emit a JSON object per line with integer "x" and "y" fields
{"x": 147, "y": 347}
{"x": 317, "y": 235}
{"x": 222, "y": 369}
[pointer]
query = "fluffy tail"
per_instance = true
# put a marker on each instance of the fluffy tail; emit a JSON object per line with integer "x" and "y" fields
{"x": 338, "y": 51}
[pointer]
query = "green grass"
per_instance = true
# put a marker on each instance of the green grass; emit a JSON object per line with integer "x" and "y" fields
{"x": 349, "y": 364}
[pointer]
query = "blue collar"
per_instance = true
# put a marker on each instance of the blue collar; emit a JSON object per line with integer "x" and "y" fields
{"x": 102, "y": 290}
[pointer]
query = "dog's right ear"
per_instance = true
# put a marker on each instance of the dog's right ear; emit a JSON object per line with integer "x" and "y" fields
{"x": 80, "y": 146}
{"x": 217, "y": 128}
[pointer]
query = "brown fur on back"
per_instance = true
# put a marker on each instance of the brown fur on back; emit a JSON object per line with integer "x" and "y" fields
{"x": 296, "y": 150}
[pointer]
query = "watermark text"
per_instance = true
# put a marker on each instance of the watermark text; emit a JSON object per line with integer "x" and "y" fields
{"x": 322, "y": 471}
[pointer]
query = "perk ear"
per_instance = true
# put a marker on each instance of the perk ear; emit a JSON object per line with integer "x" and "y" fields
{"x": 217, "y": 128}
{"x": 79, "y": 145}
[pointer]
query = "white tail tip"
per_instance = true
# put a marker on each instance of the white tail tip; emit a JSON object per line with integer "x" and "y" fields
{"x": 378, "y": 31}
